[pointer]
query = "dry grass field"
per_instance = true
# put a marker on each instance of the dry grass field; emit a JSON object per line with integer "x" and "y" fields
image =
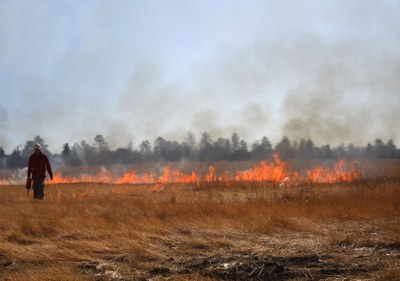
{"x": 209, "y": 232}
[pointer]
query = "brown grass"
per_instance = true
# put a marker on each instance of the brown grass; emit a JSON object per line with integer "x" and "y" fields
{"x": 105, "y": 232}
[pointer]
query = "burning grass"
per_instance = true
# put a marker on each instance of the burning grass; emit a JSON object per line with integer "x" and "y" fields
{"x": 183, "y": 232}
{"x": 276, "y": 171}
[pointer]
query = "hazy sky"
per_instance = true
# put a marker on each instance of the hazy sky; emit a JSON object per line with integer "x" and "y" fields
{"x": 135, "y": 70}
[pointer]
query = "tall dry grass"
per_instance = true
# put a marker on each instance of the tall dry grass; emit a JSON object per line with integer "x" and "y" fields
{"x": 57, "y": 238}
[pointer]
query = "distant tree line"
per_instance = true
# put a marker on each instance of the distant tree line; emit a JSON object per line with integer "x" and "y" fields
{"x": 205, "y": 150}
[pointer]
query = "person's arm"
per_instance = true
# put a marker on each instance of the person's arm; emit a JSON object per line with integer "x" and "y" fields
{"x": 30, "y": 167}
{"x": 49, "y": 168}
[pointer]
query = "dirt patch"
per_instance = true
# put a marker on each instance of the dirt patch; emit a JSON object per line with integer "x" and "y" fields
{"x": 101, "y": 270}
{"x": 250, "y": 267}
{"x": 239, "y": 266}
{"x": 4, "y": 261}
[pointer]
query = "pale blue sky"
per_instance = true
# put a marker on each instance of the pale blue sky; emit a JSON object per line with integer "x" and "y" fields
{"x": 135, "y": 70}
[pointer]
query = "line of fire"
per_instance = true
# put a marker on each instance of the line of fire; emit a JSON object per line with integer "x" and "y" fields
{"x": 276, "y": 171}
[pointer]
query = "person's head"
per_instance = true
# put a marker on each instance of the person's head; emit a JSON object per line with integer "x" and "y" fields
{"x": 37, "y": 148}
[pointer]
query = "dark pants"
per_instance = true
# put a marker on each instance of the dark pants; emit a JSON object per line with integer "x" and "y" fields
{"x": 38, "y": 188}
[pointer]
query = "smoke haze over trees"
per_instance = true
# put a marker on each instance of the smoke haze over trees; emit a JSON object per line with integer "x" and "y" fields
{"x": 206, "y": 149}
{"x": 321, "y": 70}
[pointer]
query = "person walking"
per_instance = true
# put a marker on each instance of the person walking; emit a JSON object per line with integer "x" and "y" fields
{"x": 37, "y": 166}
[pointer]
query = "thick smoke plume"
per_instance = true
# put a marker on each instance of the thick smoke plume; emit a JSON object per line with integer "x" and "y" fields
{"x": 330, "y": 73}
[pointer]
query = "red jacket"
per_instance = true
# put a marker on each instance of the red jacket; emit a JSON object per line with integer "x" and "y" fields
{"x": 38, "y": 163}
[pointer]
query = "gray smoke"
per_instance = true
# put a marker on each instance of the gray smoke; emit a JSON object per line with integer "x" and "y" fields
{"x": 351, "y": 96}
{"x": 3, "y": 124}
{"x": 328, "y": 71}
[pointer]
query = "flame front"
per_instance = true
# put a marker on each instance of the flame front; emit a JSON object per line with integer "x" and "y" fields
{"x": 277, "y": 171}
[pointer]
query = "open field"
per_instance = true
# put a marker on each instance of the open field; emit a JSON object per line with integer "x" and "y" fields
{"x": 182, "y": 232}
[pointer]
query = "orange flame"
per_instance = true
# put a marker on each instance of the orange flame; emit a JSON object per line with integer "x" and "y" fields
{"x": 340, "y": 173}
{"x": 4, "y": 182}
{"x": 277, "y": 171}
